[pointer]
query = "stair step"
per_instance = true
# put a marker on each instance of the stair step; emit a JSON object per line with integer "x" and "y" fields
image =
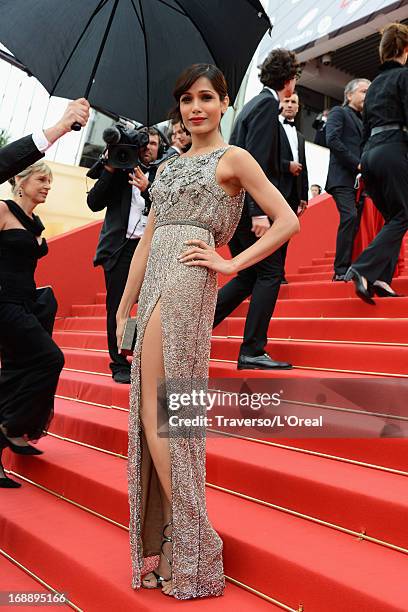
{"x": 315, "y": 268}
{"x": 332, "y": 491}
{"x": 380, "y": 359}
{"x": 310, "y": 276}
{"x": 339, "y": 356}
{"x": 376, "y": 331}
{"x": 392, "y": 453}
{"x": 303, "y": 289}
{"x": 94, "y": 389}
{"x": 15, "y": 581}
{"x": 321, "y": 307}
{"x": 104, "y": 428}
{"x": 318, "y": 261}
{"x": 328, "y": 289}
{"x": 87, "y": 557}
{"x": 282, "y": 546}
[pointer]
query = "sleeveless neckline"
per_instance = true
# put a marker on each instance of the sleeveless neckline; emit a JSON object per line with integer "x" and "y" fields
{"x": 203, "y": 154}
{"x": 32, "y": 224}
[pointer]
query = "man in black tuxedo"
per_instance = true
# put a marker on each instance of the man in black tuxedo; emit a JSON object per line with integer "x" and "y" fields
{"x": 344, "y": 135}
{"x": 127, "y": 206}
{"x": 257, "y": 131}
{"x": 24, "y": 152}
{"x": 294, "y": 183}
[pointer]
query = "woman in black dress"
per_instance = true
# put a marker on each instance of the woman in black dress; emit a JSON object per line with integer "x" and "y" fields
{"x": 31, "y": 362}
{"x": 384, "y": 165}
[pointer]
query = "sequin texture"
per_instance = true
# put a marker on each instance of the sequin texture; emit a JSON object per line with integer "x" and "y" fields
{"x": 186, "y": 190}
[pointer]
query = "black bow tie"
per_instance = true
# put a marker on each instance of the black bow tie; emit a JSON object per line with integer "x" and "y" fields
{"x": 291, "y": 123}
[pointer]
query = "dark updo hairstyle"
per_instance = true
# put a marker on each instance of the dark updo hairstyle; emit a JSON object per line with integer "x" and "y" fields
{"x": 394, "y": 39}
{"x": 280, "y": 66}
{"x": 189, "y": 77}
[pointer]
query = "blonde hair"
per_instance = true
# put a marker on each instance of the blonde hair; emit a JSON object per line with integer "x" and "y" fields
{"x": 394, "y": 39}
{"x": 39, "y": 166}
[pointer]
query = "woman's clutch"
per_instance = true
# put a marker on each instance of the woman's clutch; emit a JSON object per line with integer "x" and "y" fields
{"x": 127, "y": 345}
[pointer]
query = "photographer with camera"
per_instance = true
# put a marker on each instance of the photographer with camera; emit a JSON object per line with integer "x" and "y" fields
{"x": 122, "y": 188}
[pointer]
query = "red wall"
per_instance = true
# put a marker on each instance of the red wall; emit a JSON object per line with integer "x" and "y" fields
{"x": 318, "y": 229}
{"x": 69, "y": 268}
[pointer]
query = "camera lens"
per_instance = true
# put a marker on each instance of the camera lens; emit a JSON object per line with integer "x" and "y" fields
{"x": 123, "y": 156}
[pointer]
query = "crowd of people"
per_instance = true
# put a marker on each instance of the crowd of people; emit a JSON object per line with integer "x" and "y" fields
{"x": 157, "y": 247}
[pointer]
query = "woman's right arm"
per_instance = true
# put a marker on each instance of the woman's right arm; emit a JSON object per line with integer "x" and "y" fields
{"x": 135, "y": 277}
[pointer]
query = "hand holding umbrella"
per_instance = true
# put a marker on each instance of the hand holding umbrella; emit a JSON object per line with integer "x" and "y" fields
{"x": 77, "y": 112}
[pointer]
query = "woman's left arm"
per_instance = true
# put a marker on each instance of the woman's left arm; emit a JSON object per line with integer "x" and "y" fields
{"x": 240, "y": 170}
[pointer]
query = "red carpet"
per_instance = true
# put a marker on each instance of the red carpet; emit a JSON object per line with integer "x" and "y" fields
{"x": 314, "y": 523}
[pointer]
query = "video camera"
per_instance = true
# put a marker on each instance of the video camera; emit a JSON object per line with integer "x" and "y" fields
{"x": 123, "y": 146}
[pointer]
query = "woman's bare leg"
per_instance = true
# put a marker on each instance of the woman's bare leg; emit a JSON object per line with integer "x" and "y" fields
{"x": 152, "y": 371}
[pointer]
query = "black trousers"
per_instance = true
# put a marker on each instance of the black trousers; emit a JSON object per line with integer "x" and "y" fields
{"x": 115, "y": 281}
{"x": 31, "y": 363}
{"x": 385, "y": 173}
{"x": 261, "y": 281}
{"x": 293, "y": 202}
{"x": 345, "y": 198}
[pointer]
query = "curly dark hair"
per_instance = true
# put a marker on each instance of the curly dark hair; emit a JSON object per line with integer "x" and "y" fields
{"x": 280, "y": 65}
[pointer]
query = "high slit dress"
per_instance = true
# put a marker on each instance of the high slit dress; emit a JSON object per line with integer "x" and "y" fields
{"x": 188, "y": 204}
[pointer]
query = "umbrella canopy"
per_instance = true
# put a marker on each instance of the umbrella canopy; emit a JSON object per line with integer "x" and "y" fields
{"x": 125, "y": 55}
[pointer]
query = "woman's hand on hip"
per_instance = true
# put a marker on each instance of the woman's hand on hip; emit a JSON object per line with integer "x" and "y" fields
{"x": 202, "y": 255}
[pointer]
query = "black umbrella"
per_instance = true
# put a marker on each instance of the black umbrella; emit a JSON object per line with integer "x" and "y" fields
{"x": 124, "y": 55}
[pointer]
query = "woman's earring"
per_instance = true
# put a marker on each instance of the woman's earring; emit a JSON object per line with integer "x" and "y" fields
{"x": 20, "y": 193}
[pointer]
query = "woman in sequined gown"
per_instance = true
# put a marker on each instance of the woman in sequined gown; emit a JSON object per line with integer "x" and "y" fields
{"x": 197, "y": 201}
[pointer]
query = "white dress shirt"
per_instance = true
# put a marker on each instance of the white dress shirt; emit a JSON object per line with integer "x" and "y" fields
{"x": 275, "y": 94}
{"x": 291, "y": 133}
{"x": 40, "y": 141}
{"x": 137, "y": 221}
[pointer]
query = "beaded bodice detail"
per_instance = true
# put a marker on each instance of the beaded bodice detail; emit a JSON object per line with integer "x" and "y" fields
{"x": 187, "y": 189}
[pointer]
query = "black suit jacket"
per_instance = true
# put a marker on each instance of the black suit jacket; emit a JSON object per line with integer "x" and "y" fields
{"x": 17, "y": 156}
{"x": 287, "y": 180}
{"x": 257, "y": 130}
{"x": 387, "y": 102}
{"x": 344, "y": 137}
{"x": 113, "y": 192}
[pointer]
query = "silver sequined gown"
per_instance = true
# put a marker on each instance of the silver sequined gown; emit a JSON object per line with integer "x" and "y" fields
{"x": 188, "y": 204}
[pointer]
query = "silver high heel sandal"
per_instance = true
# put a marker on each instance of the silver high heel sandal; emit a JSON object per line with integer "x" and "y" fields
{"x": 161, "y": 579}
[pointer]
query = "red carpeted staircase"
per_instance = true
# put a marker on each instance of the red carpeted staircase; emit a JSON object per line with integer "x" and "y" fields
{"x": 308, "y": 524}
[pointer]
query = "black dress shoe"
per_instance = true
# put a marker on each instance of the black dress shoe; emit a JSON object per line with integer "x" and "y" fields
{"x": 122, "y": 376}
{"x": 19, "y": 450}
{"x": 381, "y": 292}
{"x": 7, "y": 483}
{"x": 338, "y": 277}
{"x": 364, "y": 293}
{"x": 261, "y": 362}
